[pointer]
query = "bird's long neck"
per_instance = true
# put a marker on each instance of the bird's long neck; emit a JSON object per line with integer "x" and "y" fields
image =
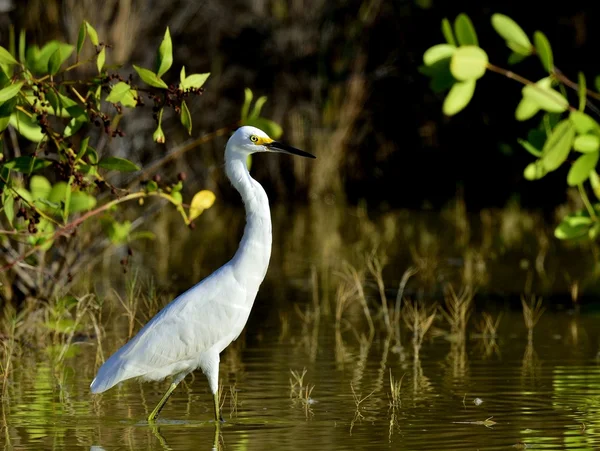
{"x": 251, "y": 260}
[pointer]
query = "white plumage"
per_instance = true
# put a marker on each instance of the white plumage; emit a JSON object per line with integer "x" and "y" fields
{"x": 192, "y": 330}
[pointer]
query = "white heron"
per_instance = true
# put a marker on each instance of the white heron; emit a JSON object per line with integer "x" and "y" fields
{"x": 192, "y": 330}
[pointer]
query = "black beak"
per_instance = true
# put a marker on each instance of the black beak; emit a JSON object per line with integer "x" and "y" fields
{"x": 280, "y": 147}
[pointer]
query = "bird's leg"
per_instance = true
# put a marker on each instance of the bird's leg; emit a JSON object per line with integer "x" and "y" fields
{"x": 218, "y": 415}
{"x": 162, "y": 402}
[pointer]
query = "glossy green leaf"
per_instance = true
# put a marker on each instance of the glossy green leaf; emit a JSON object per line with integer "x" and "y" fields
{"x": 438, "y": 52}
{"x": 586, "y": 143}
{"x": 164, "y": 58}
{"x": 584, "y": 123}
{"x": 526, "y": 109}
{"x": 150, "y": 78}
{"x": 458, "y": 97}
{"x": 81, "y": 37}
{"x": 464, "y": 30}
{"x": 580, "y": 171}
{"x": 6, "y": 57}
{"x": 101, "y": 60}
{"x": 543, "y": 50}
{"x": 117, "y": 92}
{"x": 186, "y": 117}
{"x": 10, "y": 91}
{"x": 468, "y": 63}
{"x": 545, "y": 97}
{"x": 118, "y": 164}
{"x": 516, "y": 39}
{"x": 534, "y": 171}
{"x": 195, "y": 81}
{"x": 447, "y": 32}
{"x": 91, "y": 31}
{"x": 26, "y": 164}
{"x": 559, "y": 143}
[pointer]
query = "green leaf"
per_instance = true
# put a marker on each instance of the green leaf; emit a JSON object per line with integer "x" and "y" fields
{"x": 8, "y": 204}
{"x": 101, "y": 59}
{"x": 438, "y": 52}
{"x": 464, "y": 30}
{"x": 257, "y": 107}
{"x": 586, "y": 143}
{"x": 6, "y": 109}
{"x": 529, "y": 148}
{"x": 130, "y": 99}
{"x": 195, "y": 81}
{"x": 22, "y": 43}
{"x": 6, "y": 57}
{"x": 82, "y": 148}
{"x": 10, "y": 91}
{"x": 81, "y": 38}
{"x": 545, "y": 97}
{"x": 544, "y": 51}
{"x": 26, "y": 126}
{"x": 597, "y": 82}
{"x": 164, "y": 58}
{"x": 458, "y": 97}
{"x": 201, "y": 201}
{"x": 270, "y": 127}
{"x": 246, "y": 105}
{"x": 38, "y": 60}
{"x": 182, "y": 76}
{"x": 572, "y": 227}
{"x": 516, "y": 39}
{"x": 559, "y": 143}
{"x": 581, "y": 169}
{"x": 117, "y": 92}
{"x": 150, "y": 78}
{"x": 58, "y": 57}
{"x": 468, "y": 63}
{"x": 81, "y": 201}
{"x": 534, "y": 171}
{"x": 515, "y": 58}
{"x": 118, "y": 164}
{"x": 595, "y": 182}
{"x": 40, "y": 187}
{"x": 118, "y": 232}
{"x": 526, "y": 109}
{"x": 91, "y": 31}
{"x": 26, "y": 164}
{"x": 186, "y": 117}
{"x": 583, "y": 123}
{"x": 447, "y": 32}
{"x": 582, "y": 91}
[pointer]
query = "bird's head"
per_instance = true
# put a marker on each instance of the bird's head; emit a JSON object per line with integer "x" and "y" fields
{"x": 248, "y": 140}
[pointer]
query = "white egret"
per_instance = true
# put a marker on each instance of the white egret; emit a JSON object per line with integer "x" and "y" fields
{"x": 192, "y": 330}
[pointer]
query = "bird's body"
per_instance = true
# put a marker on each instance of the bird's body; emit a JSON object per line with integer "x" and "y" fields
{"x": 192, "y": 330}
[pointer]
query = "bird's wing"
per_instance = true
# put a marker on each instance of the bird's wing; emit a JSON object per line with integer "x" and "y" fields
{"x": 191, "y": 324}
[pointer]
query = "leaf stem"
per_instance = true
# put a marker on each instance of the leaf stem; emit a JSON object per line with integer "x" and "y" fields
{"x": 587, "y": 202}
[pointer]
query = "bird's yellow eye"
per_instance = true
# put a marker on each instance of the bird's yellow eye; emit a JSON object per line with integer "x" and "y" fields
{"x": 254, "y": 138}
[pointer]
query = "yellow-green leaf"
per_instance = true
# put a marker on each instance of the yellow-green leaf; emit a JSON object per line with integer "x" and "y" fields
{"x": 464, "y": 30}
{"x": 438, "y": 52}
{"x": 458, "y": 97}
{"x": 534, "y": 171}
{"x": 164, "y": 58}
{"x": 6, "y": 57}
{"x": 586, "y": 143}
{"x": 513, "y": 34}
{"x": 447, "y": 32}
{"x": 26, "y": 126}
{"x": 10, "y": 91}
{"x": 545, "y": 97}
{"x": 201, "y": 201}
{"x": 526, "y": 109}
{"x": 117, "y": 92}
{"x": 557, "y": 146}
{"x": 118, "y": 164}
{"x": 91, "y": 31}
{"x": 186, "y": 117}
{"x": 543, "y": 50}
{"x": 581, "y": 169}
{"x": 195, "y": 81}
{"x": 81, "y": 37}
{"x": 101, "y": 59}
{"x": 150, "y": 78}
{"x": 468, "y": 63}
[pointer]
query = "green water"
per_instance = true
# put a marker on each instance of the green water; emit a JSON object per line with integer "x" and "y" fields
{"x": 510, "y": 393}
